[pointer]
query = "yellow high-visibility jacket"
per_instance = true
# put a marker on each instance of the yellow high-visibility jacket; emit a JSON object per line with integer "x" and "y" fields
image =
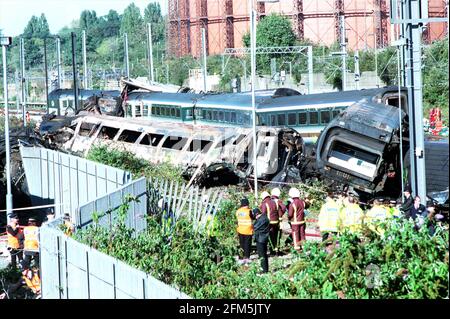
{"x": 245, "y": 226}
{"x": 351, "y": 217}
{"x": 31, "y": 236}
{"x": 329, "y": 217}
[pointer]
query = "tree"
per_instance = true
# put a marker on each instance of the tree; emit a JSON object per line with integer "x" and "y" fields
{"x": 111, "y": 24}
{"x": 34, "y": 33}
{"x": 179, "y": 69}
{"x": 133, "y": 24}
{"x": 272, "y": 31}
{"x": 152, "y": 14}
{"x": 387, "y": 66}
{"x": 435, "y": 78}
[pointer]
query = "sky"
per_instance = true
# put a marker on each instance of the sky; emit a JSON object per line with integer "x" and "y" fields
{"x": 15, "y": 14}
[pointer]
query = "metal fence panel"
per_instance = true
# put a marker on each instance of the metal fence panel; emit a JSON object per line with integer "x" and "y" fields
{"x": 77, "y": 283}
{"x": 100, "y": 289}
{"x": 49, "y": 263}
{"x": 130, "y": 280}
{"x": 67, "y": 180}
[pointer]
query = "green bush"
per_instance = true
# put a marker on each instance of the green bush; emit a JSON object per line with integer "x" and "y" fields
{"x": 138, "y": 167}
{"x": 403, "y": 263}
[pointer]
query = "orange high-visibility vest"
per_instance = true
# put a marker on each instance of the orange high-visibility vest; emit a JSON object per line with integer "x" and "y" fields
{"x": 245, "y": 226}
{"x": 13, "y": 241}
{"x": 30, "y": 234}
{"x": 34, "y": 284}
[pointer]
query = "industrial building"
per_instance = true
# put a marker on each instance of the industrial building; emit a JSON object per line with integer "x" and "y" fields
{"x": 226, "y": 21}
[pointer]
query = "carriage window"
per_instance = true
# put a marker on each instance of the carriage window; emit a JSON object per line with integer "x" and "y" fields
{"x": 172, "y": 112}
{"x": 313, "y": 117}
{"x": 108, "y": 133}
{"x": 224, "y": 142}
{"x": 227, "y": 117}
{"x": 273, "y": 120}
{"x": 188, "y": 113}
{"x": 158, "y": 111}
{"x": 64, "y": 103}
{"x": 239, "y": 139}
{"x": 302, "y": 118}
{"x": 246, "y": 118}
{"x": 200, "y": 145}
{"x": 233, "y": 117}
{"x": 129, "y": 110}
{"x": 154, "y": 110}
{"x": 292, "y": 119}
{"x": 204, "y": 114}
{"x": 86, "y": 129}
{"x": 178, "y": 113}
{"x": 145, "y": 111}
{"x": 215, "y": 115}
{"x": 175, "y": 142}
{"x": 221, "y": 116}
{"x": 138, "y": 110}
{"x": 281, "y": 119}
{"x": 129, "y": 136}
{"x": 151, "y": 139}
{"x": 324, "y": 117}
{"x": 208, "y": 115}
{"x": 336, "y": 113}
{"x": 259, "y": 120}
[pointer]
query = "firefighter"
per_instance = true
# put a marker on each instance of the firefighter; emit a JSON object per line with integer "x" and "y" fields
{"x": 296, "y": 216}
{"x": 329, "y": 217}
{"x": 269, "y": 207}
{"x": 378, "y": 213}
{"x": 351, "y": 216}
{"x": 31, "y": 242}
{"x": 15, "y": 238}
{"x": 245, "y": 228}
{"x": 275, "y": 220}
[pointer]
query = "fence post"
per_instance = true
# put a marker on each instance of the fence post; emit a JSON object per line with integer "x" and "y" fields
{"x": 87, "y": 275}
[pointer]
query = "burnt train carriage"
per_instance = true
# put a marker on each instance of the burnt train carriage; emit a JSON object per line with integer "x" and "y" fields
{"x": 216, "y": 151}
{"x": 62, "y": 102}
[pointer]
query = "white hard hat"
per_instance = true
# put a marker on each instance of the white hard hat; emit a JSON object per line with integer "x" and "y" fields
{"x": 276, "y": 192}
{"x": 160, "y": 203}
{"x": 264, "y": 195}
{"x": 294, "y": 192}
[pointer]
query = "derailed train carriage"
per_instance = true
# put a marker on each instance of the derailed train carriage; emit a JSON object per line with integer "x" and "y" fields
{"x": 209, "y": 155}
{"x": 361, "y": 148}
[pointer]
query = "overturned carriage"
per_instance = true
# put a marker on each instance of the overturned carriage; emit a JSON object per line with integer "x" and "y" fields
{"x": 208, "y": 154}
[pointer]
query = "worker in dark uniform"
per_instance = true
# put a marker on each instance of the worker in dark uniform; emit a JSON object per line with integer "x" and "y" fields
{"x": 261, "y": 228}
{"x": 408, "y": 202}
{"x": 15, "y": 238}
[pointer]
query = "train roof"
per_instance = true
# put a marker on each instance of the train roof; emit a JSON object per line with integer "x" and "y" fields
{"x": 164, "y": 97}
{"x": 266, "y": 100}
{"x": 62, "y": 93}
{"x": 370, "y": 119}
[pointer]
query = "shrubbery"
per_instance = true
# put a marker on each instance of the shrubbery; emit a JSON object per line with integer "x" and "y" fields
{"x": 405, "y": 263}
{"x": 138, "y": 167}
